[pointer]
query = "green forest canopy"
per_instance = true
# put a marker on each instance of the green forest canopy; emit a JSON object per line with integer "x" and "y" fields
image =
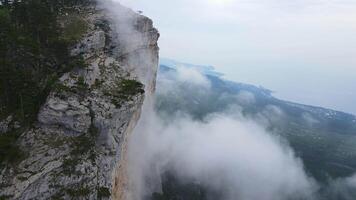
{"x": 34, "y": 52}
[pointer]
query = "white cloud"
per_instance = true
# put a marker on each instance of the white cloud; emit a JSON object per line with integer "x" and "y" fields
{"x": 245, "y": 98}
{"x": 342, "y": 188}
{"x": 191, "y": 75}
{"x": 229, "y": 154}
{"x": 309, "y": 119}
{"x": 351, "y": 181}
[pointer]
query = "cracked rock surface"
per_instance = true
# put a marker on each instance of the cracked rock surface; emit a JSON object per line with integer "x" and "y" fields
{"x": 72, "y": 152}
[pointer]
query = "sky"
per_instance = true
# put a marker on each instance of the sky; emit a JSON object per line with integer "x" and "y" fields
{"x": 303, "y": 50}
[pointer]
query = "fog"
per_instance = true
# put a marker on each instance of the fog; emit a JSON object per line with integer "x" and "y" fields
{"x": 132, "y": 43}
{"x": 234, "y": 156}
{"x": 191, "y": 76}
{"x": 343, "y": 188}
{"x": 225, "y": 152}
{"x": 231, "y": 154}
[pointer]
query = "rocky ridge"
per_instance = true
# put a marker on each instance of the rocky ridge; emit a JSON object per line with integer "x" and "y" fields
{"x": 76, "y": 148}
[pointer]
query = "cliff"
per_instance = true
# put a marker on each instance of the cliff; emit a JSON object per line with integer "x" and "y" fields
{"x": 76, "y": 147}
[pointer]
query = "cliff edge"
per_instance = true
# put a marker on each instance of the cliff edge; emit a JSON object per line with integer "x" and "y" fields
{"x": 76, "y": 147}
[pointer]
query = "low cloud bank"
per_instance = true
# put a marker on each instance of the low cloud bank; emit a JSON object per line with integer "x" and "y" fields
{"x": 229, "y": 154}
{"x": 234, "y": 156}
{"x": 343, "y": 188}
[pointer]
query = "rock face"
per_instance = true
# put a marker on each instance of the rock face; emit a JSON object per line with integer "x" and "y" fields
{"x": 76, "y": 148}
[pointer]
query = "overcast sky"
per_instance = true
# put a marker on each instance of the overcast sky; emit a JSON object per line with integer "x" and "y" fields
{"x": 304, "y": 50}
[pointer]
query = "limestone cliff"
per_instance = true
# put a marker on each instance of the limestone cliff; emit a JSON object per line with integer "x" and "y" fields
{"x": 77, "y": 145}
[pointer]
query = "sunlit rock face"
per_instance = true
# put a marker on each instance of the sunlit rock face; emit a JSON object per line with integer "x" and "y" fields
{"x": 76, "y": 148}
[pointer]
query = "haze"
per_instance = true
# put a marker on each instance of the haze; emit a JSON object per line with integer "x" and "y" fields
{"x": 303, "y": 50}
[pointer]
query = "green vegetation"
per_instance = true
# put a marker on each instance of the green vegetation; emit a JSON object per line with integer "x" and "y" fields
{"x": 60, "y": 88}
{"x": 131, "y": 87}
{"x": 74, "y": 28}
{"x": 57, "y": 196}
{"x": 81, "y": 85}
{"x": 83, "y": 144}
{"x": 76, "y": 191}
{"x": 80, "y": 192}
{"x": 34, "y": 52}
{"x": 69, "y": 165}
{"x": 9, "y": 151}
{"x": 98, "y": 83}
{"x": 81, "y": 88}
{"x": 124, "y": 91}
{"x": 82, "y": 147}
{"x": 21, "y": 178}
{"x": 5, "y": 197}
{"x": 103, "y": 192}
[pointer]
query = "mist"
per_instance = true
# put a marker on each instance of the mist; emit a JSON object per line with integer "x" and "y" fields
{"x": 232, "y": 155}
{"x": 342, "y": 188}
{"x": 225, "y": 152}
{"x": 132, "y": 32}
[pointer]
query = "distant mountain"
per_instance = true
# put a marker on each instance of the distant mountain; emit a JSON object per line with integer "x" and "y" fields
{"x": 324, "y": 139}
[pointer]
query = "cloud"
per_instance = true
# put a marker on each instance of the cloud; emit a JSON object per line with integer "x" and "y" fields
{"x": 182, "y": 77}
{"x": 245, "y": 98}
{"x": 224, "y": 152}
{"x": 342, "y": 188}
{"x": 126, "y": 38}
{"x": 192, "y": 76}
{"x": 351, "y": 181}
{"x": 271, "y": 114}
{"x": 230, "y": 154}
{"x": 309, "y": 119}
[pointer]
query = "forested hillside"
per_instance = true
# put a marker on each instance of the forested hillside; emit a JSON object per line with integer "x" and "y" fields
{"x": 35, "y": 37}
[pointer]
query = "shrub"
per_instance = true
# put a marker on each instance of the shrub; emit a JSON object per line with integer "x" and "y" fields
{"x": 79, "y": 192}
{"x": 103, "y": 192}
{"x": 9, "y": 151}
{"x": 74, "y": 28}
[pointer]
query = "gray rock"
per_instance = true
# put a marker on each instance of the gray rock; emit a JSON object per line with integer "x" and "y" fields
{"x": 4, "y": 124}
{"x": 76, "y": 147}
{"x": 70, "y": 114}
{"x": 92, "y": 43}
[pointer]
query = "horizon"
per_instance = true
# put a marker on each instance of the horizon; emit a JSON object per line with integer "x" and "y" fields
{"x": 303, "y": 51}
{"x": 275, "y": 94}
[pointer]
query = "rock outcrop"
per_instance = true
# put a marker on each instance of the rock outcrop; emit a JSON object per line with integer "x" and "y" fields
{"x": 76, "y": 148}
